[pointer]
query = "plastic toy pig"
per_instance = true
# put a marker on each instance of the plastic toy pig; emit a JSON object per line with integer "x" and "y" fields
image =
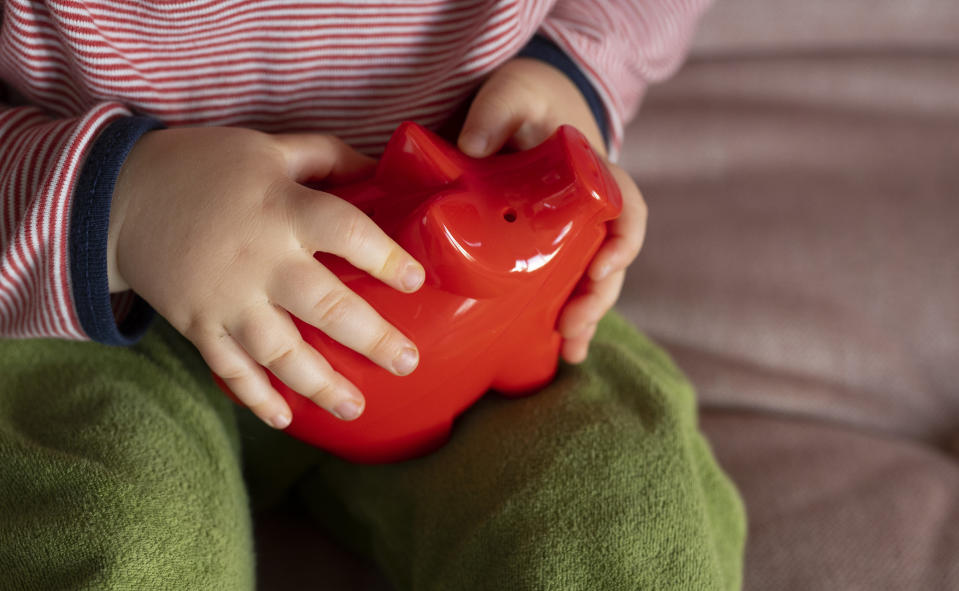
{"x": 504, "y": 241}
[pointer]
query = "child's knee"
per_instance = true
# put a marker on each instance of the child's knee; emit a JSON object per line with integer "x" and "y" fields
{"x": 117, "y": 475}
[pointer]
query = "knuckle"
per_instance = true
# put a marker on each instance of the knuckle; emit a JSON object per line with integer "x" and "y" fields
{"x": 631, "y": 247}
{"x": 279, "y": 356}
{"x": 198, "y": 331}
{"x": 323, "y": 393}
{"x": 233, "y": 372}
{"x": 354, "y": 231}
{"x": 331, "y": 309}
{"x": 392, "y": 262}
{"x": 607, "y": 298}
{"x": 382, "y": 345}
{"x": 220, "y": 358}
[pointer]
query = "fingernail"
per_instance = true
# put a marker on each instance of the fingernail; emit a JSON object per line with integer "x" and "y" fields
{"x": 406, "y": 361}
{"x": 475, "y": 143}
{"x": 347, "y": 409}
{"x": 281, "y": 421}
{"x": 413, "y": 277}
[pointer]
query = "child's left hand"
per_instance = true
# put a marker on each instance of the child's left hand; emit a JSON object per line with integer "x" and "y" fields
{"x": 521, "y": 104}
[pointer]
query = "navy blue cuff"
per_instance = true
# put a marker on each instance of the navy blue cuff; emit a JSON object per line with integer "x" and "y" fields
{"x": 89, "y": 228}
{"x": 543, "y": 49}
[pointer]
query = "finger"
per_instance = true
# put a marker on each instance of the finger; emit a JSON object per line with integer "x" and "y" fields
{"x": 532, "y": 133}
{"x": 326, "y": 223}
{"x": 626, "y": 233}
{"x": 588, "y": 307}
{"x": 495, "y": 115}
{"x": 315, "y": 157}
{"x": 576, "y": 349}
{"x": 312, "y": 293}
{"x": 245, "y": 378}
{"x": 269, "y": 336}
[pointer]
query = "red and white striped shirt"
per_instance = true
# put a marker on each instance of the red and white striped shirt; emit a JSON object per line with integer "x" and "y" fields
{"x": 354, "y": 68}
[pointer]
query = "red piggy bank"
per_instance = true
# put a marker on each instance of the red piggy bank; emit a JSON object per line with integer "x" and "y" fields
{"x": 504, "y": 241}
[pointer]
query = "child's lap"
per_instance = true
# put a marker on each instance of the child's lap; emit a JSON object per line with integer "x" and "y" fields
{"x": 601, "y": 480}
{"x": 601, "y": 474}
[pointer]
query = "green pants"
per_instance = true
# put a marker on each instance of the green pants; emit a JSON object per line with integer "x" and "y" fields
{"x": 123, "y": 469}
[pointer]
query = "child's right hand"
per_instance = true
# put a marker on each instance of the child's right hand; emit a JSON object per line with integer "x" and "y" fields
{"x": 212, "y": 227}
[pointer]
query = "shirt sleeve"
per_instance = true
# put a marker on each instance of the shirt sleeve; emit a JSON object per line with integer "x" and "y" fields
{"x": 622, "y": 46}
{"x": 54, "y": 216}
{"x": 545, "y": 50}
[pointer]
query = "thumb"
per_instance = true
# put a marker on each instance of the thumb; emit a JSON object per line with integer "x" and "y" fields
{"x": 495, "y": 115}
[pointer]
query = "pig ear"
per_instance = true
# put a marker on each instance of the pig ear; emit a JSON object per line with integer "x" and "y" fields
{"x": 590, "y": 174}
{"x": 416, "y": 157}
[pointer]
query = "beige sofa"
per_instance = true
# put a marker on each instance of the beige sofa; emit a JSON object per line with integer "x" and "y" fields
{"x": 802, "y": 265}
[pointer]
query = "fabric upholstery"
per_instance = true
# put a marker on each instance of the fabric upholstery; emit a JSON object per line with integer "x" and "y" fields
{"x": 802, "y": 265}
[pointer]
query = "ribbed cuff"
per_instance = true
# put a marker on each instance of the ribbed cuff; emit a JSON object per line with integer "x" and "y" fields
{"x": 89, "y": 230}
{"x": 544, "y": 49}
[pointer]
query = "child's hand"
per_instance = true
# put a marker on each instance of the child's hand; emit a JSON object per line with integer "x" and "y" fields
{"x": 522, "y": 103}
{"x": 213, "y": 229}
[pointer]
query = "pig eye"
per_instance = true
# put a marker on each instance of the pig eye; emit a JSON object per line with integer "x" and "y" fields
{"x": 509, "y": 215}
